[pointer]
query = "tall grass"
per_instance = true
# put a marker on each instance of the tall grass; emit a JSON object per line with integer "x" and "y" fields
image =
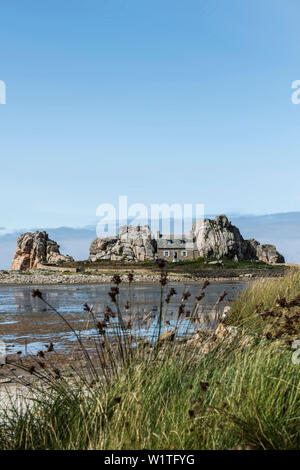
{"x": 262, "y": 296}
{"x": 239, "y": 393}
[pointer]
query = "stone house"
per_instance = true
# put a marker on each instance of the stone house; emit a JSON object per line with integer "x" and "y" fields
{"x": 176, "y": 247}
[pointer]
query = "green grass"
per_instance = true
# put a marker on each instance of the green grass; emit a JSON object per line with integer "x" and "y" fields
{"x": 186, "y": 266}
{"x": 252, "y": 401}
{"x": 261, "y": 296}
{"x": 243, "y": 394}
{"x": 202, "y": 264}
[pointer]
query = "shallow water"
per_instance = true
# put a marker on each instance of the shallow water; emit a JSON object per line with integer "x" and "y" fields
{"x": 27, "y": 324}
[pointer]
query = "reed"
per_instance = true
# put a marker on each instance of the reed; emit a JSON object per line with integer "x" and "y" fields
{"x": 241, "y": 392}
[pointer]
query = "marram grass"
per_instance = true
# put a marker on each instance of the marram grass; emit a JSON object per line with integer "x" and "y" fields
{"x": 245, "y": 398}
{"x": 243, "y": 394}
{"x": 261, "y": 296}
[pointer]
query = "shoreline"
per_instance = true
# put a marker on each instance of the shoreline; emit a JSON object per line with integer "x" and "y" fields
{"x": 42, "y": 278}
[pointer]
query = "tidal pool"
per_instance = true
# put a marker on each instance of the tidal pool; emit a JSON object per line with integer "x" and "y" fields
{"x": 27, "y": 324}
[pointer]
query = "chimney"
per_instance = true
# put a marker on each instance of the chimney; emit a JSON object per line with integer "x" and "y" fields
{"x": 157, "y": 234}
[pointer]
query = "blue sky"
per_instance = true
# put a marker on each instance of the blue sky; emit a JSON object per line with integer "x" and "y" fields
{"x": 162, "y": 101}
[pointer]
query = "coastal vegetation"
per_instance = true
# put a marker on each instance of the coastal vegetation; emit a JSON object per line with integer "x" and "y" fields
{"x": 196, "y": 270}
{"x": 200, "y": 262}
{"x": 199, "y": 266}
{"x": 268, "y": 300}
{"x": 236, "y": 390}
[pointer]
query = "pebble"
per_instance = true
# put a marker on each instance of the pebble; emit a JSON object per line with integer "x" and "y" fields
{"x": 53, "y": 278}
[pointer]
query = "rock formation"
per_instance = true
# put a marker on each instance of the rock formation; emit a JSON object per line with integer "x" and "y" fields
{"x": 266, "y": 253}
{"x": 35, "y": 248}
{"x": 219, "y": 238}
{"x": 216, "y": 238}
{"x": 131, "y": 244}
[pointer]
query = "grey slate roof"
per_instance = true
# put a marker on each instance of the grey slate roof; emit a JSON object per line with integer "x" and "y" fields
{"x": 175, "y": 244}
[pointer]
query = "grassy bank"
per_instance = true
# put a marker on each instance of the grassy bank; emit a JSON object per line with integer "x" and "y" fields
{"x": 241, "y": 392}
{"x": 199, "y": 267}
{"x": 250, "y": 309}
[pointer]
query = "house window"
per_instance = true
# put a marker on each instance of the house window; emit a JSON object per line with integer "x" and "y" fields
{"x": 184, "y": 254}
{"x": 166, "y": 253}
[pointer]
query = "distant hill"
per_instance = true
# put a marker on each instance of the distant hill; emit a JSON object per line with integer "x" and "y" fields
{"x": 282, "y": 230}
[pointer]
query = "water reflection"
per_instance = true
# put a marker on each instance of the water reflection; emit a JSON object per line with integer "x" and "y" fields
{"x": 24, "y": 318}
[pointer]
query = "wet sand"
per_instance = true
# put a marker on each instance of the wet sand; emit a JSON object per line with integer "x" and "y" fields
{"x": 27, "y": 324}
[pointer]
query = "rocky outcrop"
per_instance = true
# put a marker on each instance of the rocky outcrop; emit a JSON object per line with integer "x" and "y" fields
{"x": 131, "y": 244}
{"x": 266, "y": 253}
{"x": 219, "y": 238}
{"x": 216, "y": 238}
{"x": 34, "y": 248}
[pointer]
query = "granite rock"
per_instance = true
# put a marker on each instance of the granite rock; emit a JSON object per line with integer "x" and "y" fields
{"x": 133, "y": 243}
{"x": 35, "y": 248}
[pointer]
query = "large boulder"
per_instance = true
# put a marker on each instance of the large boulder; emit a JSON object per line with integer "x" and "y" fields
{"x": 35, "y": 248}
{"x": 133, "y": 243}
{"x": 266, "y": 253}
{"x": 219, "y": 238}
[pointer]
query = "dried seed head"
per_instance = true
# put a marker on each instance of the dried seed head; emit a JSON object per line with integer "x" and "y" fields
{"x": 222, "y": 297}
{"x": 186, "y": 295}
{"x": 108, "y": 313}
{"x": 101, "y": 325}
{"x": 113, "y": 293}
{"x": 181, "y": 309}
{"x": 200, "y": 296}
{"x": 163, "y": 279}
{"x": 161, "y": 263}
{"x": 37, "y": 293}
{"x": 281, "y": 302}
{"x": 266, "y": 313}
{"x": 204, "y": 386}
{"x": 56, "y": 372}
{"x": 116, "y": 279}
